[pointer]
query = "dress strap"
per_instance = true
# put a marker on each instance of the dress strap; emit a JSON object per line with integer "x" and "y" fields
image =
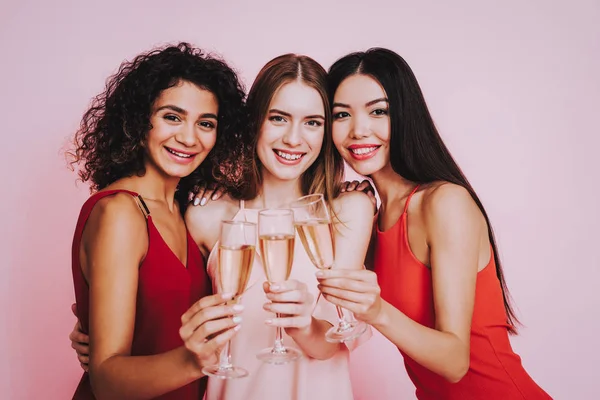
{"x": 136, "y": 197}
{"x": 243, "y": 209}
{"x": 410, "y": 197}
{"x": 142, "y": 205}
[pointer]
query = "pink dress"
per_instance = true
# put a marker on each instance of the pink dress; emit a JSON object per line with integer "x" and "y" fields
{"x": 304, "y": 379}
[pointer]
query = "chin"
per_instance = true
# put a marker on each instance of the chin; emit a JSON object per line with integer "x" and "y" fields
{"x": 362, "y": 168}
{"x": 287, "y": 173}
{"x": 180, "y": 172}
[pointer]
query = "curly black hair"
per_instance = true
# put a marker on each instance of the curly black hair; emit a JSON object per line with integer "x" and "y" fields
{"x": 109, "y": 144}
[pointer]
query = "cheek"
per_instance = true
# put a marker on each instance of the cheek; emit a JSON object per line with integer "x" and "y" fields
{"x": 383, "y": 130}
{"x": 315, "y": 140}
{"x": 262, "y": 145}
{"x": 338, "y": 134}
{"x": 208, "y": 141}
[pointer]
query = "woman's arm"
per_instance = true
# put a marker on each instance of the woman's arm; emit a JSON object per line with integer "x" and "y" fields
{"x": 352, "y": 232}
{"x": 114, "y": 245}
{"x": 454, "y": 229}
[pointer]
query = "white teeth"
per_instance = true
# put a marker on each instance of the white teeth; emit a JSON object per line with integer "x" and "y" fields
{"x": 178, "y": 154}
{"x": 288, "y": 156}
{"x": 364, "y": 150}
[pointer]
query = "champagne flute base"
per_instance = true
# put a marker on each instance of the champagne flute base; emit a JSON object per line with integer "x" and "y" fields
{"x": 278, "y": 357}
{"x": 220, "y": 372}
{"x": 346, "y": 332}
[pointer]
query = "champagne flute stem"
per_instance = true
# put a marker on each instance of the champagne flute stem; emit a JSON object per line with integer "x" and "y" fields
{"x": 278, "y": 347}
{"x": 343, "y": 324}
{"x": 225, "y": 357}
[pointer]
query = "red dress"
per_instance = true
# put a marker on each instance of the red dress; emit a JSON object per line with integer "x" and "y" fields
{"x": 166, "y": 289}
{"x": 495, "y": 371}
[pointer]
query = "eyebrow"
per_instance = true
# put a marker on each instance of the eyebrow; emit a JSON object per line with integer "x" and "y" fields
{"x": 184, "y": 112}
{"x": 370, "y": 103}
{"x": 377, "y": 101}
{"x": 276, "y": 111}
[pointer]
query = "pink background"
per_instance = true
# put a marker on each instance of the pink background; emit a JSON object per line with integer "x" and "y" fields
{"x": 512, "y": 88}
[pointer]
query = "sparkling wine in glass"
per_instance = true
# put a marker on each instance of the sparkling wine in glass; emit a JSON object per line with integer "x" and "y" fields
{"x": 235, "y": 257}
{"x": 276, "y": 238}
{"x": 315, "y": 229}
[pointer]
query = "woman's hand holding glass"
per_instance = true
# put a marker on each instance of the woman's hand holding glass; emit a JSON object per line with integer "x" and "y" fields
{"x": 355, "y": 291}
{"x": 208, "y": 326}
{"x": 288, "y": 297}
{"x": 292, "y": 300}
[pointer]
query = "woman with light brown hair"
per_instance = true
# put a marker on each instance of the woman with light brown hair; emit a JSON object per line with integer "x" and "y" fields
{"x": 292, "y": 155}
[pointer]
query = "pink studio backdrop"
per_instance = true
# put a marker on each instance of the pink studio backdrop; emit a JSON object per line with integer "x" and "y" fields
{"x": 514, "y": 89}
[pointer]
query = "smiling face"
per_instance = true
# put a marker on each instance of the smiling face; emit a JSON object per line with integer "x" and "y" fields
{"x": 361, "y": 124}
{"x": 184, "y": 129}
{"x": 291, "y": 135}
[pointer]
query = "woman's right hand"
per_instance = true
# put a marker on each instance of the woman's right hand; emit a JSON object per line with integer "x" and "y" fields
{"x": 80, "y": 342}
{"x": 201, "y": 193}
{"x": 208, "y": 325}
{"x": 364, "y": 186}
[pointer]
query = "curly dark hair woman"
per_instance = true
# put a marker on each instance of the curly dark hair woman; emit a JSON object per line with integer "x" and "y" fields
{"x": 167, "y": 118}
{"x": 110, "y": 140}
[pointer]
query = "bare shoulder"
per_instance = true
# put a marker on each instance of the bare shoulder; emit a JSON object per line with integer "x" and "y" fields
{"x": 116, "y": 213}
{"x": 444, "y": 201}
{"x": 116, "y": 223}
{"x": 351, "y": 205}
{"x": 203, "y": 222}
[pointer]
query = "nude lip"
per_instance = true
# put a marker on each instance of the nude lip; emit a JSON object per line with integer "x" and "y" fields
{"x": 189, "y": 153}
{"x": 180, "y": 160}
{"x": 364, "y": 156}
{"x": 284, "y": 160}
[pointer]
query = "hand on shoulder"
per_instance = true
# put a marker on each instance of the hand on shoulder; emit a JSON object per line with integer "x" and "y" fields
{"x": 204, "y": 222}
{"x": 347, "y": 204}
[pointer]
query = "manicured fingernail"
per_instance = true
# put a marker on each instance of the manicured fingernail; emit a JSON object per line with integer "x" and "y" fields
{"x": 269, "y": 322}
{"x": 196, "y": 201}
{"x": 320, "y": 274}
{"x": 238, "y": 307}
{"x": 203, "y": 202}
{"x": 237, "y": 328}
{"x": 236, "y": 319}
{"x": 227, "y": 296}
{"x": 274, "y": 287}
{"x": 214, "y": 197}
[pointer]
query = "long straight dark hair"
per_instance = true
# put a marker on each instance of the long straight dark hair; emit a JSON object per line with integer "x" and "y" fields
{"x": 417, "y": 151}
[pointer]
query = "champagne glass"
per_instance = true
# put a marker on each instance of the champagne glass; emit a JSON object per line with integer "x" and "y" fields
{"x": 235, "y": 257}
{"x": 276, "y": 237}
{"x": 314, "y": 227}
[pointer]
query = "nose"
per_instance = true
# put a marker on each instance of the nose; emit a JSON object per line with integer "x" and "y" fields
{"x": 187, "y": 135}
{"x": 293, "y": 136}
{"x": 361, "y": 128}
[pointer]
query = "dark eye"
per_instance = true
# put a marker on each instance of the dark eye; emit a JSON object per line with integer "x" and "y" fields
{"x": 171, "y": 117}
{"x": 341, "y": 114}
{"x": 380, "y": 111}
{"x": 277, "y": 118}
{"x": 206, "y": 124}
{"x": 315, "y": 123}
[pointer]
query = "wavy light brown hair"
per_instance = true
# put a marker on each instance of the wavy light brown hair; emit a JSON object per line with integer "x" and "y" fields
{"x": 326, "y": 173}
